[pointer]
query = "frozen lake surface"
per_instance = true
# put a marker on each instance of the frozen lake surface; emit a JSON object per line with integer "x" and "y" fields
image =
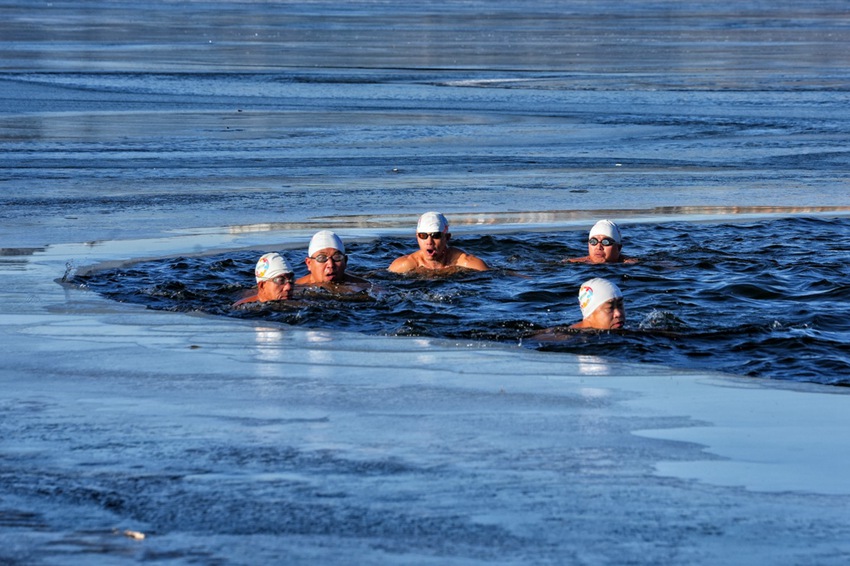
{"x": 212, "y": 128}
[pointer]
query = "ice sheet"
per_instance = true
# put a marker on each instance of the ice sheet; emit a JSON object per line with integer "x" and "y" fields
{"x": 188, "y": 427}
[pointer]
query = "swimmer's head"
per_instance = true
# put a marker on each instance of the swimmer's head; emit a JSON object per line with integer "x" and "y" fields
{"x": 604, "y": 243}
{"x": 326, "y": 260}
{"x": 601, "y": 305}
{"x": 432, "y": 236}
{"x": 324, "y": 240}
{"x": 271, "y": 265}
{"x": 432, "y": 222}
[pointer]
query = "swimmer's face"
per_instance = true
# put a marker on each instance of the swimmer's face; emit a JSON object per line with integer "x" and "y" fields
{"x": 276, "y": 289}
{"x": 434, "y": 244}
{"x": 609, "y": 315}
{"x": 599, "y": 252}
{"x": 333, "y": 269}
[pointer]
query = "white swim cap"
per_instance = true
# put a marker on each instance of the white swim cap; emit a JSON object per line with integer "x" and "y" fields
{"x": 325, "y": 239}
{"x": 595, "y": 292}
{"x": 606, "y": 228}
{"x": 270, "y": 266}
{"x": 432, "y": 222}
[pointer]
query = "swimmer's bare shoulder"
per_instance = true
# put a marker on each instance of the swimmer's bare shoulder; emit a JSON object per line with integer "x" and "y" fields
{"x": 404, "y": 264}
{"x": 468, "y": 261}
{"x": 457, "y": 259}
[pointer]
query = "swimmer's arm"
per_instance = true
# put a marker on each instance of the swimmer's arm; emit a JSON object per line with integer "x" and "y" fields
{"x": 544, "y": 336}
{"x": 554, "y": 334}
{"x": 244, "y": 301}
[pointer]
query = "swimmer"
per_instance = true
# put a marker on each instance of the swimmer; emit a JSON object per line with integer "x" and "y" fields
{"x": 434, "y": 253}
{"x": 602, "y": 308}
{"x": 604, "y": 245}
{"x": 326, "y": 263}
{"x": 601, "y": 305}
{"x": 274, "y": 280}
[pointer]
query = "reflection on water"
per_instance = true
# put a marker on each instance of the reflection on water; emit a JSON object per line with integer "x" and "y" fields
{"x": 318, "y": 337}
{"x": 268, "y": 351}
{"x": 756, "y": 298}
{"x": 593, "y": 365}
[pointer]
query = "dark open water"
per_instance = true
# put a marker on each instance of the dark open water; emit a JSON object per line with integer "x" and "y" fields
{"x": 765, "y": 298}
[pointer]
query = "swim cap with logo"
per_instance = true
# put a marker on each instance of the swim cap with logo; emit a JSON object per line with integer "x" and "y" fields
{"x": 607, "y": 228}
{"x": 271, "y": 265}
{"x": 432, "y": 222}
{"x": 323, "y": 240}
{"x": 594, "y": 293}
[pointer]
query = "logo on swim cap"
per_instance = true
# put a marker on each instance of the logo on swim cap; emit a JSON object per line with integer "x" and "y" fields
{"x": 585, "y": 295}
{"x": 262, "y": 267}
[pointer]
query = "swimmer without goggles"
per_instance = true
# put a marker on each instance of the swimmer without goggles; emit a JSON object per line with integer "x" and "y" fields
{"x": 605, "y": 241}
{"x": 322, "y": 258}
{"x": 426, "y": 235}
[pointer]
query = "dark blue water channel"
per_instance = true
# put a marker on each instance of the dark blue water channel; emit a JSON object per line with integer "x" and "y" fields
{"x": 764, "y": 298}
